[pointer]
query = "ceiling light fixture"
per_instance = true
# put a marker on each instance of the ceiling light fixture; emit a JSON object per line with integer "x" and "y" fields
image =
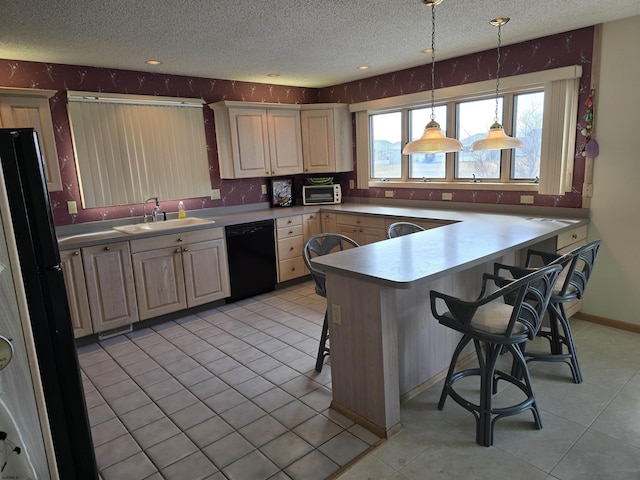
{"x": 363, "y": 67}
{"x": 153, "y": 62}
{"x": 496, "y": 138}
{"x": 432, "y": 140}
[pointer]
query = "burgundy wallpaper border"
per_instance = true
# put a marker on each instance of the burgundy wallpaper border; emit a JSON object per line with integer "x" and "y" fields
{"x": 569, "y": 48}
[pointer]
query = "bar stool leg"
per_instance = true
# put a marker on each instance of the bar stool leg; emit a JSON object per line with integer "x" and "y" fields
{"x": 323, "y": 350}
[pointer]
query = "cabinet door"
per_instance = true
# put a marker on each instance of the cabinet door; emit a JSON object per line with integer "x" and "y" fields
{"x": 206, "y": 272}
{"x": 372, "y": 234}
{"x": 159, "y": 282}
{"x": 318, "y": 141}
{"x": 310, "y": 225}
{"x": 110, "y": 287}
{"x": 328, "y": 221}
{"x": 249, "y": 142}
{"x": 74, "y": 281}
{"x": 285, "y": 142}
{"x": 34, "y": 112}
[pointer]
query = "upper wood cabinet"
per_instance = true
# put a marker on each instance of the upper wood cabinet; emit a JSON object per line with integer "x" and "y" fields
{"x": 327, "y": 138}
{"x": 257, "y": 140}
{"x": 22, "y": 108}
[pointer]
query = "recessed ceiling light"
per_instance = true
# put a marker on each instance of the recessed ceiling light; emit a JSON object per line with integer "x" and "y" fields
{"x": 153, "y": 62}
{"x": 363, "y": 67}
{"x": 273, "y": 75}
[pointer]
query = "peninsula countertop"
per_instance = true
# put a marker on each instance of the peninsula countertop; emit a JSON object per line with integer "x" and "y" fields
{"x": 473, "y": 239}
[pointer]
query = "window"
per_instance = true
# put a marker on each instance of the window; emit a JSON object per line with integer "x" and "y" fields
{"x": 129, "y": 148}
{"x": 539, "y": 108}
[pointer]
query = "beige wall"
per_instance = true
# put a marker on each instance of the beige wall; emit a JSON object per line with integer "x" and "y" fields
{"x": 614, "y": 291}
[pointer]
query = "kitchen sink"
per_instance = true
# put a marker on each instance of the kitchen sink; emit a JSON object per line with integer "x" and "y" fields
{"x": 162, "y": 225}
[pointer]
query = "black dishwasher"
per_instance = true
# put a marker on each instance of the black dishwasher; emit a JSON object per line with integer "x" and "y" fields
{"x": 251, "y": 250}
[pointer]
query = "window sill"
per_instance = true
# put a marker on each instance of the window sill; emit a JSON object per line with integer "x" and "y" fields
{"x": 483, "y": 185}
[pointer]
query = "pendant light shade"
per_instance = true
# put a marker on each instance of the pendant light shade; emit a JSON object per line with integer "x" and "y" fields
{"x": 432, "y": 140}
{"x": 496, "y": 138}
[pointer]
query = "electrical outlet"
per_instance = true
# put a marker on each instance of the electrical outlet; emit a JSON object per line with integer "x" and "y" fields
{"x": 264, "y": 189}
{"x": 447, "y": 196}
{"x": 336, "y": 314}
{"x": 388, "y": 193}
{"x": 352, "y": 184}
{"x": 527, "y": 199}
{"x": 215, "y": 194}
{"x": 587, "y": 189}
{"x": 72, "y": 207}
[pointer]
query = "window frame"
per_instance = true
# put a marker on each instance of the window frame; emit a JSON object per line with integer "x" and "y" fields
{"x": 554, "y": 178}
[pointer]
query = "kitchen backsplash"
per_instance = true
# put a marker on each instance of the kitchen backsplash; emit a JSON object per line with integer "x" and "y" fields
{"x": 569, "y": 48}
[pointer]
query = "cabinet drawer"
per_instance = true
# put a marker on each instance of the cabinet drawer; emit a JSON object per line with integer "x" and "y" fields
{"x": 572, "y": 236}
{"x": 287, "y": 232}
{"x": 289, "y": 221}
{"x": 361, "y": 220}
{"x": 175, "y": 239}
{"x": 290, "y": 248}
{"x": 292, "y": 268}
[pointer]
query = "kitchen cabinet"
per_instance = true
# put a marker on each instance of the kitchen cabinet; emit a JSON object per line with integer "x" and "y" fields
{"x": 110, "y": 288}
{"x": 289, "y": 235}
{"x": 75, "y": 284}
{"x": 310, "y": 225}
{"x": 21, "y": 108}
{"x": 176, "y": 271}
{"x": 327, "y": 138}
{"x": 328, "y": 223}
{"x": 258, "y": 140}
{"x": 363, "y": 229}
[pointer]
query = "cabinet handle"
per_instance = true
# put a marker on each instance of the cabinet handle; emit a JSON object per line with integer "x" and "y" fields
{"x": 178, "y": 250}
{"x": 574, "y": 236}
{"x": 185, "y": 249}
{"x": 77, "y": 252}
{"x": 290, "y": 249}
{"x": 179, "y": 239}
{"x": 358, "y": 221}
{"x": 290, "y": 232}
{"x": 107, "y": 248}
{"x": 289, "y": 221}
{"x": 293, "y": 269}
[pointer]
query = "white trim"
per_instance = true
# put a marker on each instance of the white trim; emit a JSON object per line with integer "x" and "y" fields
{"x": 519, "y": 82}
{"x": 102, "y": 97}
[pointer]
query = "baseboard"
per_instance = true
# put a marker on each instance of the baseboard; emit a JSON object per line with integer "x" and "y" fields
{"x": 608, "y": 322}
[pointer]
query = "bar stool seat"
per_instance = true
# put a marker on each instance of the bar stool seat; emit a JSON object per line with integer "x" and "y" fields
{"x": 318, "y": 245}
{"x": 498, "y": 322}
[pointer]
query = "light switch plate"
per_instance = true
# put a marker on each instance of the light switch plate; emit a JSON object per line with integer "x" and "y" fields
{"x": 72, "y": 207}
{"x": 215, "y": 194}
{"x": 336, "y": 314}
{"x": 526, "y": 199}
{"x": 352, "y": 184}
{"x": 388, "y": 193}
{"x": 447, "y": 196}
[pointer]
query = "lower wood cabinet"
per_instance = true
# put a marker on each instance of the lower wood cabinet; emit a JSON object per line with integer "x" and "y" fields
{"x": 73, "y": 271}
{"x": 110, "y": 288}
{"x": 176, "y": 271}
{"x": 289, "y": 246}
{"x": 363, "y": 229}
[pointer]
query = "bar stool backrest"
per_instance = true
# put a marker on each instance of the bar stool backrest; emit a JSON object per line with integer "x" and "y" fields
{"x": 323, "y": 244}
{"x": 402, "y": 228}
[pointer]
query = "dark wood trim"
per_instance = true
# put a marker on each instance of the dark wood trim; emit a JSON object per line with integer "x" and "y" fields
{"x": 608, "y": 322}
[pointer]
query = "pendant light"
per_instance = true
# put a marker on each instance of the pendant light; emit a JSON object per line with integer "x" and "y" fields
{"x": 496, "y": 139}
{"x": 432, "y": 140}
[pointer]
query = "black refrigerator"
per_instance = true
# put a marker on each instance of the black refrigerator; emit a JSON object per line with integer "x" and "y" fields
{"x": 48, "y": 309}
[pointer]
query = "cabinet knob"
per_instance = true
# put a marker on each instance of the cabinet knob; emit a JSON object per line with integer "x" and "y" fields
{"x": 178, "y": 250}
{"x": 107, "y": 249}
{"x": 574, "y": 236}
{"x": 358, "y": 221}
{"x": 77, "y": 252}
{"x": 185, "y": 249}
{"x": 360, "y": 230}
{"x": 293, "y": 269}
{"x": 289, "y": 221}
{"x": 179, "y": 239}
{"x": 290, "y": 249}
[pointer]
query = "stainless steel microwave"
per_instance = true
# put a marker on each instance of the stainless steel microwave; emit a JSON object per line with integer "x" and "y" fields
{"x": 321, "y": 194}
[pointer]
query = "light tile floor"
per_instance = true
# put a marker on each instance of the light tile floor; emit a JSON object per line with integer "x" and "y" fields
{"x": 590, "y": 430}
{"x": 231, "y": 393}
{"x": 228, "y": 393}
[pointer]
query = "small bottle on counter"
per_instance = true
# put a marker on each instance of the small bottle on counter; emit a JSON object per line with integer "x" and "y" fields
{"x": 181, "y": 211}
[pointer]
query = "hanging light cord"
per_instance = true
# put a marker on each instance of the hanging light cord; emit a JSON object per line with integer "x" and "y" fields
{"x": 497, "y": 74}
{"x": 433, "y": 60}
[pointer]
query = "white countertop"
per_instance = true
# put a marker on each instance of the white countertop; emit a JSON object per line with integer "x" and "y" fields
{"x": 424, "y": 256}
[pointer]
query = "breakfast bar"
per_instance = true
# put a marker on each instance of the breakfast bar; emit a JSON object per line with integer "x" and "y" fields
{"x": 385, "y": 344}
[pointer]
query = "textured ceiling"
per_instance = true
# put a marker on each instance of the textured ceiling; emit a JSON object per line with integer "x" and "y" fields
{"x": 310, "y": 43}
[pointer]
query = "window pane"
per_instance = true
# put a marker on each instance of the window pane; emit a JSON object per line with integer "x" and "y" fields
{"x": 529, "y": 108}
{"x": 386, "y": 142}
{"x": 426, "y": 165}
{"x": 474, "y": 120}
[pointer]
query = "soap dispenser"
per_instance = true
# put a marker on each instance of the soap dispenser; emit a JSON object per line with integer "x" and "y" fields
{"x": 181, "y": 211}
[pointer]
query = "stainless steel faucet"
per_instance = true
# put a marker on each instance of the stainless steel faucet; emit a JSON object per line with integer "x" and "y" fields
{"x": 155, "y": 212}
